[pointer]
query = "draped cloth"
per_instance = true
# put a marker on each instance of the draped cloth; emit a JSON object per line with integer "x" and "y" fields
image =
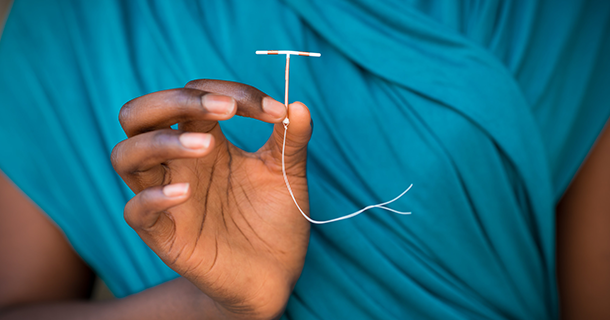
{"x": 487, "y": 107}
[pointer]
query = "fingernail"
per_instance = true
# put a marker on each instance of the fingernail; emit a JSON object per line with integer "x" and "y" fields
{"x": 218, "y": 104}
{"x": 273, "y": 107}
{"x": 175, "y": 190}
{"x": 195, "y": 141}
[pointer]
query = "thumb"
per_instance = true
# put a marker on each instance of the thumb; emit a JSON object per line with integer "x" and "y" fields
{"x": 297, "y": 135}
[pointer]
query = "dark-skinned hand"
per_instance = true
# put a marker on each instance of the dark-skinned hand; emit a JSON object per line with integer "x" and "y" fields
{"x": 217, "y": 215}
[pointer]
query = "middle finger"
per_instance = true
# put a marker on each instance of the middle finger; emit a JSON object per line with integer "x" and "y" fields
{"x": 138, "y": 160}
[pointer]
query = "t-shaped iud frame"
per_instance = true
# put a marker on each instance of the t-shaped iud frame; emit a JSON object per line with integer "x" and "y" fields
{"x": 288, "y": 53}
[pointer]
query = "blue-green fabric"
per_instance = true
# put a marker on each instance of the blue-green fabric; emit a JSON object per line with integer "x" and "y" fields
{"x": 487, "y": 107}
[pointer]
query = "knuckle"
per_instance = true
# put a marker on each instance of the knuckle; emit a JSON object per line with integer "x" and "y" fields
{"x": 187, "y": 102}
{"x": 125, "y": 113}
{"x": 248, "y": 94}
{"x": 157, "y": 140}
{"x": 139, "y": 208}
{"x": 194, "y": 84}
{"x": 129, "y": 214}
{"x": 129, "y": 220}
{"x": 145, "y": 199}
{"x": 116, "y": 155}
{"x": 193, "y": 100}
{"x": 149, "y": 209}
{"x": 251, "y": 91}
{"x": 161, "y": 140}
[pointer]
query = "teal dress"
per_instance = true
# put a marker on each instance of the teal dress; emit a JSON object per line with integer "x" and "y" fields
{"x": 487, "y": 107}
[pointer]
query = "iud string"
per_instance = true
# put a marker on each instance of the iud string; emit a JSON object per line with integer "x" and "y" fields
{"x": 286, "y": 122}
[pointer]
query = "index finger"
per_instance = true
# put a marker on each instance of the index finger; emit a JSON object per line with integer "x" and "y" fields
{"x": 251, "y": 102}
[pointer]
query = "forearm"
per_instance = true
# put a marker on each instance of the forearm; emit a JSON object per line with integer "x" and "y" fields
{"x": 583, "y": 238}
{"x": 177, "y": 299}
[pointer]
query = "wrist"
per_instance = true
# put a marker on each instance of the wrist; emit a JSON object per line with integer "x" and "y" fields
{"x": 269, "y": 302}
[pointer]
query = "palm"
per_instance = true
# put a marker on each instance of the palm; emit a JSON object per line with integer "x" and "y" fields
{"x": 242, "y": 223}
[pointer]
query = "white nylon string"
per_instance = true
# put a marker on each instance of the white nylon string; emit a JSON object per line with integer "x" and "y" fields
{"x": 351, "y": 215}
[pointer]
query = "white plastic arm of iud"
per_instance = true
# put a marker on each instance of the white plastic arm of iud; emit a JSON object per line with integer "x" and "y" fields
{"x": 296, "y": 53}
{"x": 287, "y": 53}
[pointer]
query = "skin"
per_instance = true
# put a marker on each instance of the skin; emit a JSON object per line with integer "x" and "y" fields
{"x": 219, "y": 216}
{"x": 583, "y": 238}
{"x": 230, "y": 226}
{"x": 42, "y": 265}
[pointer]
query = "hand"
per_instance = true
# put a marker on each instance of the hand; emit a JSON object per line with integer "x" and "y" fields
{"x": 219, "y": 216}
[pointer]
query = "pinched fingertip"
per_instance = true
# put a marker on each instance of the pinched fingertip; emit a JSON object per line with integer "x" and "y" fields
{"x": 176, "y": 190}
{"x": 274, "y": 108}
{"x": 221, "y": 105}
{"x": 195, "y": 140}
